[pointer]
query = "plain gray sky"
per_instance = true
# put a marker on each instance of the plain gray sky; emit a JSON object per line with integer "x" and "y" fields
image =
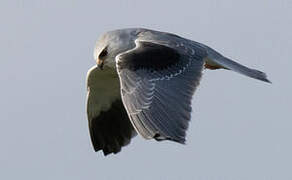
{"x": 240, "y": 128}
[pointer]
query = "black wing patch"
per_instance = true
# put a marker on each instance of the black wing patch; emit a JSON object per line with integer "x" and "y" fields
{"x": 159, "y": 103}
{"x": 112, "y": 129}
{"x": 149, "y": 56}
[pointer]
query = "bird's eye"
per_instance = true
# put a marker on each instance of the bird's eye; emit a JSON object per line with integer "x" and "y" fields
{"x": 103, "y": 53}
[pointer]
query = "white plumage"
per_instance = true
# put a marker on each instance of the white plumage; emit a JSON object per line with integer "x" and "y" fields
{"x": 144, "y": 82}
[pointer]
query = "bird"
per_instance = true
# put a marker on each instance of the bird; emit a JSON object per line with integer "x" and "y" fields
{"x": 143, "y": 83}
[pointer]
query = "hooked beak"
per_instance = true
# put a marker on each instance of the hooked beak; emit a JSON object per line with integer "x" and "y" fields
{"x": 100, "y": 64}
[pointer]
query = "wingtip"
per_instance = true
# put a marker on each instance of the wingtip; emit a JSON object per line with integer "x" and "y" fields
{"x": 260, "y": 76}
{"x": 268, "y": 81}
{"x": 265, "y": 79}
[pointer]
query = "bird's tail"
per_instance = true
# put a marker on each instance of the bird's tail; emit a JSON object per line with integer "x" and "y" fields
{"x": 216, "y": 60}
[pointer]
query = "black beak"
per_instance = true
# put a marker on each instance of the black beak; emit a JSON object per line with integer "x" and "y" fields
{"x": 100, "y": 66}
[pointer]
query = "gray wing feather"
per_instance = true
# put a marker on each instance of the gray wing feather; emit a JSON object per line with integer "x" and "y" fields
{"x": 158, "y": 101}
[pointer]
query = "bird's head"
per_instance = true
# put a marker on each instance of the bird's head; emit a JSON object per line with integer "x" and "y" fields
{"x": 111, "y": 44}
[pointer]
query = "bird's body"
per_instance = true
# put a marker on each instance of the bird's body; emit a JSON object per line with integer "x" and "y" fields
{"x": 143, "y": 82}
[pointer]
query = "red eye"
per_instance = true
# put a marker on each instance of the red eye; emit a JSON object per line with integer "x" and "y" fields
{"x": 103, "y": 53}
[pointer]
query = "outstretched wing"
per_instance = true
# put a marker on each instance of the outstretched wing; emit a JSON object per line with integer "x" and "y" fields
{"x": 109, "y": 125}
{"x": 157, "y": 84}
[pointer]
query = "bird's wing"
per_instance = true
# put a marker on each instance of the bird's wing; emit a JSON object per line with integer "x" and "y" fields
{"x": 216, "y": 59}
{"x": 109, "y": 125}
{"x": 157, "y": 84}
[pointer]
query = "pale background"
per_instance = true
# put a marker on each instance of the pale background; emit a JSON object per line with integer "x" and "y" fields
{"x": 240, "y": 129}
